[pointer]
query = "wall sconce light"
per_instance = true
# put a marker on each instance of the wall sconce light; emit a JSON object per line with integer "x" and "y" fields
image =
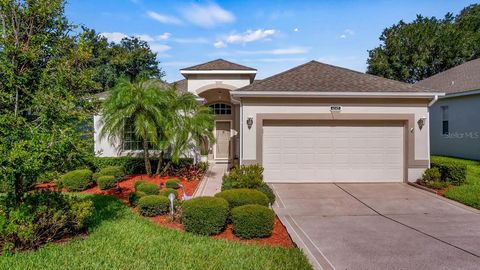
{"x": 421, "y": 122}
{"x": 249, "y": 122}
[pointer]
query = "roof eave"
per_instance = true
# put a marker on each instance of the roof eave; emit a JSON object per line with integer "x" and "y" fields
{"x": 218, "y": 71}
{"x": 461, "y": 94}
{"x": 428, "y": 95}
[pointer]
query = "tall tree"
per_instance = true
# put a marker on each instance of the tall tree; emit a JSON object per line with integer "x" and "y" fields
{"x": 413, "y": 51}
{"x": 139, "y": 104}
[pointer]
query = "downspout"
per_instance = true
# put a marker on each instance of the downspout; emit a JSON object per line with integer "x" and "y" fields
{"x": 430, "y": 104}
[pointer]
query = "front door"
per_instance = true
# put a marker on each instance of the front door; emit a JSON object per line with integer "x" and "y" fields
{"x": 222, "y": 136}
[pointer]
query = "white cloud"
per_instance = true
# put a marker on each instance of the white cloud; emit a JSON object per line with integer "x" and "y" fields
{"x": 207, "y": 15}
{"x": 219, "y": 44}
{"x": 347, "y": 33}
{"x": 250, "y": 36}
{"x": 295, "y": 30}
{"x": 198, "y": 40}
{"x": 283, "y": 51}
{"x": 159, "y": 48}
{"x": 281, "y": 60}
{"x": 114, "y": 36}
{"x": 145, "y": 37}
{"x": 164, "y": 36}
{"x": 163, "y": 18}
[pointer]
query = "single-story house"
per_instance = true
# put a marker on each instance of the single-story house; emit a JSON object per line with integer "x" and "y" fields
{"x": 312, "y": 123}
{"x": 455, "y": 118}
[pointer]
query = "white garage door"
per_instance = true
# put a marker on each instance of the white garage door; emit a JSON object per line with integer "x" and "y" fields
{"x": 328, "y": 152}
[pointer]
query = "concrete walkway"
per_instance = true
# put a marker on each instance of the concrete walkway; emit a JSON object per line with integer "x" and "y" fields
{"x": 379, "y": 226}
{"x": 212, "y": 181}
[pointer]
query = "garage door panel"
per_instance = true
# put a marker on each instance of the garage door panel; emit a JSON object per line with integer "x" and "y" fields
{"x": 327, "y": 153}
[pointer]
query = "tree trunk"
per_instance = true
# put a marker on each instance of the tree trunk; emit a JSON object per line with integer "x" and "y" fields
{"x": 160, "y": 162}
{"x": 169, "y": 163}
{"x": 148, "y": 166}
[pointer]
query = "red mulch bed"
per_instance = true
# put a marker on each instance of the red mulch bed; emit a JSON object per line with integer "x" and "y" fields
{"x": 279, "y": 237}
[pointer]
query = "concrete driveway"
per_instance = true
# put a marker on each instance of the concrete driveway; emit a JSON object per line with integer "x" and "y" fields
{"x": 379, "y": 226}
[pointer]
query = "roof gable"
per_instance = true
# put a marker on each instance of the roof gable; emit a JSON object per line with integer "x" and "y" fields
{"x": 319, "y": 77}
{"x": 464, "y": 77}
{"x": 219, "y": 64}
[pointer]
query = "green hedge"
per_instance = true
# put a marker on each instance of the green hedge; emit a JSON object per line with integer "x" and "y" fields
{"x": 153, "y": 205}
{"x": 243, "y": 196}
{"x": 252, "y": 221}
{"x": 450, "y": 171}
{"x": 117, "y": 171}
{"x": 148, "y": 188}
{"x": 133, "y": 197}
{"x": 205, "y": 215}
{"x": 106, "y": 181}
{"x": 77, "y": 180}
{"x": 132, "y": 165}
{"x": 165, "y": 192}
{"x": 267, "y": 190}
{"x": 172, "y": 183}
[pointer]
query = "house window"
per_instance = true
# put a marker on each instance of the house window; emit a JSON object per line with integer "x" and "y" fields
{"x": 130, "y": 139}
{"x": 445, "y": 129}
{"x": 221, "y": 109}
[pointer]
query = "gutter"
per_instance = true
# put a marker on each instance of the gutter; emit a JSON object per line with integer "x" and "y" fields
{"x": 435, "y": 98}
{"x": 334, "y": 94}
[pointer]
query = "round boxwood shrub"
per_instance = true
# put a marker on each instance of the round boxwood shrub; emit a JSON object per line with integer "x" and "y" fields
{"x": 153, "y": 205}
{"x": 77, "y": 180}
{"x": 172, "y": 183}
{"x": 252, "y": 221}
{"x": 267, "y": 190}
{"x": 106, "y": 181}
{"x": 205, "y": 215}
{"x": 165, "y": 192}
{"x": 148, "y": 188}
{"x": 139, "y": 182}
{"x": 133, "y": 197}
{"x": 116, "y": 171}
{"x": 243, "y": 196}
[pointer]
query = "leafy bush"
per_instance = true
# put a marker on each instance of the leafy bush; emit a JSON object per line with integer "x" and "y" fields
{"x": 165, "y": 192}
{"x": 203, "y": 166}
{"x": 133, "y": 197}
{"x": 139, "y": 182}
{"x": 116, "y": 171}
{"x": 450, "y": 171}
{"x": 245, "y": 176}
{"x": 153, "y": 205}
{"x": 243, "y": 196}
{"x": 267, "y": 190}
{"x": 132, "y": 165}
{"x": 205, "y": 215}
{"x": 42, "y": 217}
{"x": 148, "y": 188}
{"x": 77, "y": 180}
{"x": 252, "y": 221}
{"x": 431, "y": 175}
{"x": 172, "y": 183}
{"x": 106, "y": 181}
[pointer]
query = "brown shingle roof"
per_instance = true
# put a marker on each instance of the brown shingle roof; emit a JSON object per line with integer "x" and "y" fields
{"x": 218, "y": 64}
{"x": 181, "y": 85}
{"x": 464, "y": 77}
{"x": 319, "y": 77}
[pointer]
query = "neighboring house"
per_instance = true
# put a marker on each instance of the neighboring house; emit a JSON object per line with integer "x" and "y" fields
{"x": 455, "y": 117}
{"x": 312, "y": 123}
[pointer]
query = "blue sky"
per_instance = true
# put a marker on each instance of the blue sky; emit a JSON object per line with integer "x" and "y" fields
{"x": 271, "y": 36}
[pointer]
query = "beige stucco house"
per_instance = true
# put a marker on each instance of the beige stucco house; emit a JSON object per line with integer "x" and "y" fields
{"x": 312, "y": 123}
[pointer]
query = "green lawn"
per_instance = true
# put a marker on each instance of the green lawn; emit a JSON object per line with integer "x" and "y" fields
{"x": 468, "y": 193}
{"x": 120, "y": 239}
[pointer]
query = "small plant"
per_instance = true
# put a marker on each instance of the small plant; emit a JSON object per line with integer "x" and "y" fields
{"x": 172, "y": 183}
{"x": 77, "y": 180}
{"x": 106, "y": 181}
{"x": 431, "y": 175}
{"x": 203, "y": 166}
{"x": 205, "y": 215}
{"x": 148, "y": 188}
{"x": 245, "y": 176}
{"x": 267, "y": 190}
{"x": 243, "y": 196}
{"x": 153, "y": 205}
{"x": 167, "y": 191}
{"x": 252, "y": 221}
{"x": 139, "y": 182}
{"x": 116, "y": 171}
{"x": 133, "y": 197}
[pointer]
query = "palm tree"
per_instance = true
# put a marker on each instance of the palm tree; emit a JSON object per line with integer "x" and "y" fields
{"x": 139, "y": 104}
{"x": 186, "y": 121}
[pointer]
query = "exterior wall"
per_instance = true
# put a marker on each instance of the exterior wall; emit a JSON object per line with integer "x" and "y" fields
{"x": 418, "y": 109}
{"x": 103, "y": 148}
{"x": 198, "y": 83}
{"x": 464, "y": 127}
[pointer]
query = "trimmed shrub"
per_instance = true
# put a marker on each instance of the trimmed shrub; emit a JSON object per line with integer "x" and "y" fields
{"x": 205, "y": 215}
{"x": 245, "y": 176}
{"x": 117, "y": 171}
{"x": 153, "y": 205}
{"x": 252, "y": 221}
{"x": 431, "y": 175}
{"x": 139, "y": 182}
{"x": 450, "y": 171}
{"x": 77, "y": 180}
{"x": 148, "y": 188}
{"x": 106, "y": 181}
{"x": 267, "y": 190}
{"x": 172, "y": 183}
{"x": 243, "y": 196}
{"x": 133, "y": 197}
{"x": 165, "y": 192}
